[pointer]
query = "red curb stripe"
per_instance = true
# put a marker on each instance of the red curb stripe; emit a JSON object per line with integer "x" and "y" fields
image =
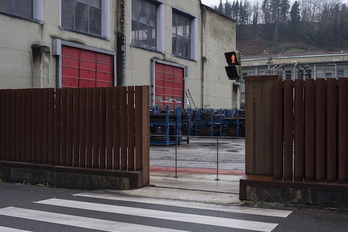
{"x": 196, "y": 170}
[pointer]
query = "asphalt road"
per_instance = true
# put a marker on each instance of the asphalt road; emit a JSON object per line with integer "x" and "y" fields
{"x": 30, "y": 208}
{"x": 201, "y": 153}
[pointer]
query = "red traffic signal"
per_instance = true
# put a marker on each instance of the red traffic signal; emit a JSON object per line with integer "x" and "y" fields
{"x": 233, "y": 70}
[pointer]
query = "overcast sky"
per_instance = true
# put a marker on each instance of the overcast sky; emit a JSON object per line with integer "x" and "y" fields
{"x": 217, "y": 2}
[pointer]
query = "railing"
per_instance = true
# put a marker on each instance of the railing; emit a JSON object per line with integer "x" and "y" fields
{"x": 98, "y": 128}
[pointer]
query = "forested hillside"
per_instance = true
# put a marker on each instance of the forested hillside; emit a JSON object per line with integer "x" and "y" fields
{"x": 281, "y": 26}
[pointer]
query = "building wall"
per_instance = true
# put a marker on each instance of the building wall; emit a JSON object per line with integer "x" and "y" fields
{"x": 19, "y": 35}
{"x": 206, "y": 78}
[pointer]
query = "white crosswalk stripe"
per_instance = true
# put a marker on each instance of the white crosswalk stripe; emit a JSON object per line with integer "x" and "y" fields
{"x": 6, "y": 229}
{"x": 117, "y": 210}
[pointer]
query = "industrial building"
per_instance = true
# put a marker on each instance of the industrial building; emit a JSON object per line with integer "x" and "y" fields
{"x": 176, "y": 47}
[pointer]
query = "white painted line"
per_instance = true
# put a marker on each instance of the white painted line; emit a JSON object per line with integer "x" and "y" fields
{"x": 77, "y": 221}
{"x": 7, "y": 229}
{"x": 159, "y": 214}
{"x": 193, "y": 205}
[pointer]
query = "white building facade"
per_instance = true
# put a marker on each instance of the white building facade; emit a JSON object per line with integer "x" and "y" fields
{"x": 176, "y": 47}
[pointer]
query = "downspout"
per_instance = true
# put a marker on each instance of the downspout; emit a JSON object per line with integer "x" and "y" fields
{"x": 203, "y": 58}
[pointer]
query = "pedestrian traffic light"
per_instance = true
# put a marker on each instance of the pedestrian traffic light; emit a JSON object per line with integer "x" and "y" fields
{"x": 233, "y": 69}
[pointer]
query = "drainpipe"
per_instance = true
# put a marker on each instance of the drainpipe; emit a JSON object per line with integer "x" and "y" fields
{"x": 203, "y": 58}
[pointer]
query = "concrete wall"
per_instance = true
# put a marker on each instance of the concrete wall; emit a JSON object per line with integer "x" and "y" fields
{"x": 17, "y": 66}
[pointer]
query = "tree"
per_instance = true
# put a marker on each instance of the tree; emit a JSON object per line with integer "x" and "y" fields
{"x": 295, "y": 19}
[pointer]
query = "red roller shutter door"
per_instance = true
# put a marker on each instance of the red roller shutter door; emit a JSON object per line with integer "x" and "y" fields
{"x": 84, "y": 68}
{"x": 169, "y": 82}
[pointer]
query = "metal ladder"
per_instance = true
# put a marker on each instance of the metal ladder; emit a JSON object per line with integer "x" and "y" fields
{"x": 190, "y": 99}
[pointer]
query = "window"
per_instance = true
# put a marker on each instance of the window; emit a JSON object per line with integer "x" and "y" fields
{"x": 86, "y": 16}
{"x": 145, "y": 24}
{"x": 340, "y": 73}
{"x": 27, "y": 9}
{"x": 288, "y": 75}
{"x": 182, "y": 34}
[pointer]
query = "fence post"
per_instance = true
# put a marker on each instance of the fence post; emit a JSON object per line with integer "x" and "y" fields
{"x": 259, "y": 135}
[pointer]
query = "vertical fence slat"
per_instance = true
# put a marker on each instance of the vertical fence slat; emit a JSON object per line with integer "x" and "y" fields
{"x": 69, "y": 126}
{"x": 18, "y": 124}
{"x": 89, "y": 133}
{"x": 102, "y": 128}
{"x": 64, "y": 129}
{"x": 8, "y": 124}
{"x": 342, "y": 130}
{"x": 138, "y": 126}
{"x": 278, "y": 129}
{"x": 51, "y": 122}
{"x": 45, "y": 125}
{"x": 96, "y": 127}
{"x": 331, "y": 161}
{"x": 83, "y": 125}
{"x": 2, "y": 125}
{"x": 320, "y": 148}
{"x": 117, "y": 127}
{"x": 288, "y": 130}
{"x": 299, "y": 131}
{"x": 131, "y": 131}
{"x": 76, "y": 129}
{"x": 309, "y": 130}
{"x": 109, "y": 127}
{"x": 39, "y": 140}
{"x": 123, "y": 131}
{"x": 58, "y": 127}
{"x": 34, "y": 129}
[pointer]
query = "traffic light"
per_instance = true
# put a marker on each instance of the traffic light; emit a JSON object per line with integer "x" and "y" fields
{"x": 233, "y": 69}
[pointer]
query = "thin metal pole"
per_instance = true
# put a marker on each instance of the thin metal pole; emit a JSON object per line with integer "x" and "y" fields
{"x": 217, "y": 159}
{"x": 176, "y": 160}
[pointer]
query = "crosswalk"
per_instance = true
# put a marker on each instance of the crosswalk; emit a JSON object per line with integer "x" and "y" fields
{"x": 111, "y": 212}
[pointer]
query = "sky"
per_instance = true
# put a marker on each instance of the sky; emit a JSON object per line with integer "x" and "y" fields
{"x": 217, "y": 2}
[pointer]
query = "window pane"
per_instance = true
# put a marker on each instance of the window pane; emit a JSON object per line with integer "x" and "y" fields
{"x": 96, "y": 3}
{"x": 181, "y": 29}
{"x": 95, "y": 21}
{"x": 135, "y": 4}
{"x": 67, "y": 14}
{"x": 152, "y": 14}
{"x": 24, "y": 8}
{"x": 81, "y": 18}
{"x": 6, "y": 6}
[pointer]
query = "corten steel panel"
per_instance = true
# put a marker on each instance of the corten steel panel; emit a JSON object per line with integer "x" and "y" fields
{"x": 288, "y": 129}
{"x": 123, "y": 129}
{"x": 117, "y": 127}
{"x": 342, "y": 130}
{"x": 69, "y": 127}
{"x": 83, "y": 126}
{"x": 259, "y": 125}
{"x": 142, "y": 121}
{"x": 34, "y": 128}
{"x": 76, "y": 128}
{"x": 45, "y": 124}
{"x": 320, "y": 122}
{"x": 299, "y": 131}
{"x": 8, "y": 126}
{"x": 17, "y": 125}
{"x": 58, "y": 128}
{"x": 89, "y": 127}
{"x": 131, "y": 128}
{"x": 309, "y": 130}
{"x": 51, "y": 122}
{"x": 102, "y": 127}
{"x": 109, "y": 127}
{"x": 96, "y": 128}
{"x": 331, "y": 158}
{"x": 64, "y": 125}
{"x": 24, "y": 124}
{"x": 278, "y": 130}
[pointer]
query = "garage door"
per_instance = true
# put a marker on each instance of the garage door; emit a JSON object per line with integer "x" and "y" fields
{"x": 84, "y": 68}
{"x": 169, "y": 85}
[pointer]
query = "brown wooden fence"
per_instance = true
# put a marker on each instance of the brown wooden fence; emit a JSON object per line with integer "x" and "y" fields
{"x": 296, "y": 141}
{"x": 311, "y": 130}
{"x": 97, "y": 128}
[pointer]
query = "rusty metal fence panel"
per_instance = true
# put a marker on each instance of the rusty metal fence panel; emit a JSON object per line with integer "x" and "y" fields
{"x": 311, "y": 130}
{"x": 100, "y": 128}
